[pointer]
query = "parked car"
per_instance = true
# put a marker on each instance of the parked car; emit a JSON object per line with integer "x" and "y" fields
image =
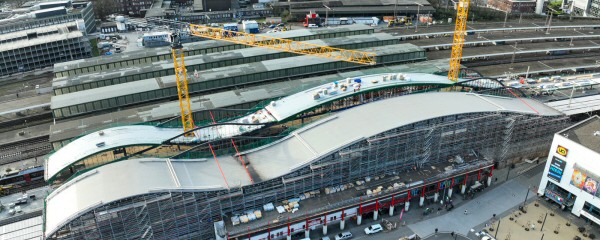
{"x": 324, "y": 238}
{"x": 530, "y": 81}
{"x": 373, "y": 229}
{"x": 344, "y": 235}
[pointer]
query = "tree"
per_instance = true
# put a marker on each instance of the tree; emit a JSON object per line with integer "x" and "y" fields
{"x": 285, "y": 16}
{"x": 103, "y": 8}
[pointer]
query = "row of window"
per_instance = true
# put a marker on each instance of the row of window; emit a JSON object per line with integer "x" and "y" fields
{"x": 200, "y": 67}
{"x": 126, "y": 63}
{"x": 211, "y": 85}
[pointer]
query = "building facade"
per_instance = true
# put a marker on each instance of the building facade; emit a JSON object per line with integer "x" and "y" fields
{"x": 513, "y": 6}
{"x": 586, "y": 8}
{"x": 76, "y": 10}
{"x": 459, "y": 134}
{"x": 572, "y": 172}
{"x": 133, "y": 7}
{"x": 41, "y": 47}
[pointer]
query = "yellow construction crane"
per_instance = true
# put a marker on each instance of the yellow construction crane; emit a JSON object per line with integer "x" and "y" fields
{"x": 462, "y": 11}
{"x": 254, "y": 40}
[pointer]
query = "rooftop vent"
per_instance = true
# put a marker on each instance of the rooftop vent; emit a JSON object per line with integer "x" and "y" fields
{"x": 597, "y": 133}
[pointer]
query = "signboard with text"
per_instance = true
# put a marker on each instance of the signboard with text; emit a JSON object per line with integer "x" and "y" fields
{"x": 563, "y": 151}
{"x": 557, "y": 167}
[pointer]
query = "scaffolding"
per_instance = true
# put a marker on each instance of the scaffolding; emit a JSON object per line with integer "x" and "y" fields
{"x": 481, "y": 138}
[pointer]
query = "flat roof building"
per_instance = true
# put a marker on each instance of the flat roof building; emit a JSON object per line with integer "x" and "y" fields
{"x": 216, "y": 79}
{"x": 572, "y": 174}
{"x": 103, "y": 63}
{"x": 48, "y": 13}
{"x": 41, "y": 47}
{"x": 200, "y": 62}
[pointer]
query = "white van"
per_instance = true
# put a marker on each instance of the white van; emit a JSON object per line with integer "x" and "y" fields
{"x": 544, "y": 79}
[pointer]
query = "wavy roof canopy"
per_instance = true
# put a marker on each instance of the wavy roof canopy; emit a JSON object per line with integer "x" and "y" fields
{"x": 283, "y": 109}
{"x": 116, "y": 137}
{"x": 124, "y": 179}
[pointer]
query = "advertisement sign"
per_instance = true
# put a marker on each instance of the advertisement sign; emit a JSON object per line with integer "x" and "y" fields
{"x": 585, "y": 180}
{"x": 554, "y": 196}
{"x": 563, "y": 151}
{"x": 557, "y": 167}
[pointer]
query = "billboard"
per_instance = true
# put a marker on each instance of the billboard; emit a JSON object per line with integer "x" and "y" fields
{"x": 557, "y": 167}
{"x": 585, "y": 180}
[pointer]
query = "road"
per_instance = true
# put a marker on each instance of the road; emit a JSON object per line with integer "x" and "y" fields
{"x": 499, "y": 199}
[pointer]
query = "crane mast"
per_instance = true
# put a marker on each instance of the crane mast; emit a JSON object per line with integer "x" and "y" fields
{"x": 462, "y": 12}
{"x": 254, "y": 40}
{"x": 182, "y": 83}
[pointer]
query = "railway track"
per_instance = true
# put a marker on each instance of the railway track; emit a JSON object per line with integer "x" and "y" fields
{"x": 480, "y": 63}
{"x": 24, "y": 150}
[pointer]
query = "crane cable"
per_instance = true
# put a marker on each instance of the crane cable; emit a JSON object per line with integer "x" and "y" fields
{"x": 236, "y": 150}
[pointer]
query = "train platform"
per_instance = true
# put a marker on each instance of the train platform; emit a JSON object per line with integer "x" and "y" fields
{"x": 24, "y": 134}
{"x": 511, "y": 25}
{"x": 502, "y": 36}
{"x": 9, "y": 109}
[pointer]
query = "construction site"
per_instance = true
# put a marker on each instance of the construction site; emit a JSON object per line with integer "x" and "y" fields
{"x": 282, "y": 135}
{"x": 360, "y": 164}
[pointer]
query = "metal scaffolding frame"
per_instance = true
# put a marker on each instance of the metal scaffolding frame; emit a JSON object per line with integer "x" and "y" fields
{"x": 181, "y": 214}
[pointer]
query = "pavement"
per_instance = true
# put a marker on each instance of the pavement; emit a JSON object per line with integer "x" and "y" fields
{"x": 501, "y": 197}
{"x": 26, "y": 103}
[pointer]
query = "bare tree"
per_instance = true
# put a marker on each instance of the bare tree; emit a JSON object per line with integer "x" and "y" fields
{"x": 103, "y": 8}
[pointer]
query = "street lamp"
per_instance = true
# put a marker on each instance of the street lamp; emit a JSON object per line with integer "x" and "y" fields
{"x": 395, "y": 10}
{"x": 550, "y": 21}
{"x": 326, "y": 14}
{"x": 418, "y": 9}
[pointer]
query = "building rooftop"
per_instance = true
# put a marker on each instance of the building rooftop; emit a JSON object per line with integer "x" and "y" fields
{"x": 59, "y": 67}
{"x": 586, "y": 133}
{"x": 280, "y": 110}
{"x": 61, "y": 82}
{"x": 28, "y": 10}
{"x": 64, "y": 130}
{"x": 112, "y": 91}
{"x": 46, "y": 34}
{"x": 105, "y": 140}
{"x": 124, "y": 179}
{"x": 27, "y": 229}
{"x": 346, "y": 127}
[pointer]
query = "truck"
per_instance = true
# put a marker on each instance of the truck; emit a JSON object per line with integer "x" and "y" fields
{"x": 312, "y": 19}
{"x": 231, "y": 27}
{"x": 250, "y": 26}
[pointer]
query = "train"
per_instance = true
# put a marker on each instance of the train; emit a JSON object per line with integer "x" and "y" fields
{"x": 21, "y": 179}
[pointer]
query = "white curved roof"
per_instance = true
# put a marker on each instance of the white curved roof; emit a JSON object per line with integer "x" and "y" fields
{"x": 133, "y": 177}
{"x": 291, "y": 105}
{"x": 112, "y": 138}
{"x": 344, "y": 128}
{"x": 283, "y": 109}
{"x": 139, "y": 176}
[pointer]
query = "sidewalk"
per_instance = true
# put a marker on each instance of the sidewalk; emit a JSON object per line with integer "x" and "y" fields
{"x": 500, "y": 197}
{"x": 492, "y": 200}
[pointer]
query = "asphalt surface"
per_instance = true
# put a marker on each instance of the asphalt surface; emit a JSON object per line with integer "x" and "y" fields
{"x": 501, "y": 197}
